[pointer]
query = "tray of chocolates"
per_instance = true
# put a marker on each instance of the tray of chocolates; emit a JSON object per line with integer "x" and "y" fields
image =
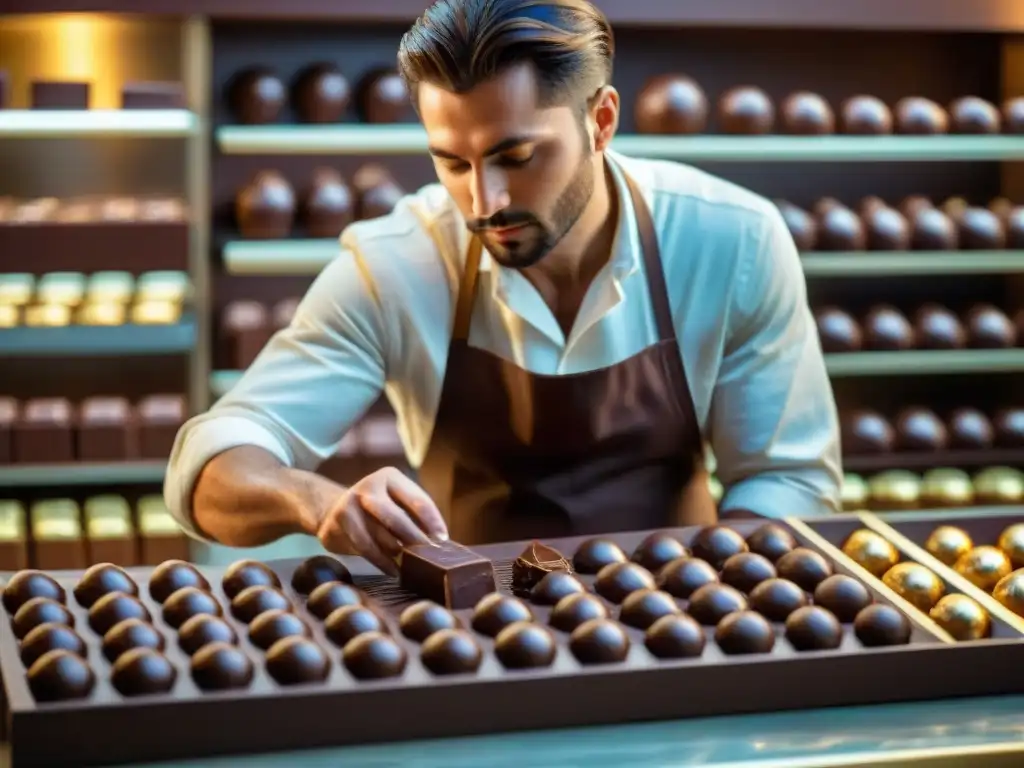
{"x": 514, "y": 636}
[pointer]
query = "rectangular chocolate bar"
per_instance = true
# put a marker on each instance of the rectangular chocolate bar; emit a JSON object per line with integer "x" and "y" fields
{"x": 13, "y": 536}
{"x": 159, "y": 418}
{"x": 55, "y": 94}
{"x": 43, "y": 434}
{"x": 160, "y": 536}
{"x": 152, "y": 95}
{"x": 106, "y": 430}
{"x": 447, "y": 573}
{"x": 109, "y": 531}
{"x": 57, "y": 541}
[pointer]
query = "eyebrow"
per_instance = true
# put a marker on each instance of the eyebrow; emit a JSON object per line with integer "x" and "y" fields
{"x": 496, "y": 149}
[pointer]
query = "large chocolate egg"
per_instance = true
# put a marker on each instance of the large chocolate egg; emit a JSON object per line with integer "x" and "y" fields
{"x": 802, "y": 226}
{"x": 981, "y": 230}
{"x": 920, "y": 429}
{"x": 807, "y": 114}
{"x": 838, "y": 331}
{"x": 1009, "y": 427}
{"x": 746, "y": 110}
{"x": 886, "y": 328}
{"x": 971, "y": 114}
{"x": 936, "y": 327}
{"x": 911, "y": 204}
{"x": 919, "y": 116}
{"x": 384, "y": 98}
{"x": 265, "y": 207}
{"x": 329, "y": 206}
{"x": 887, "y": 229}
{"x": 1013, "y": 115}
{"x": 321, "y": 94}
{"x": 933, "y": 230}
{"x": 866, "y": 431}
{"x": 840, "y": 229}
{"x": 865, "y": 116}
{"x": 971, "y": 429}
{"x": 256, "y": 96}
{"x": 671, "y": 104}
{"x": 1014, "y": 223}
{"x": 376, "y": 190}
{"x": 988, "y": 327}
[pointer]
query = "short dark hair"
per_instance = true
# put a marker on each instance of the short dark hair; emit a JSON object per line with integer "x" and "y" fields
{"x": 458, "y": 44}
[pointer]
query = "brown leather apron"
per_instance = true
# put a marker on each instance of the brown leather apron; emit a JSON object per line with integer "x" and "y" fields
{"x": 517, "y": 455}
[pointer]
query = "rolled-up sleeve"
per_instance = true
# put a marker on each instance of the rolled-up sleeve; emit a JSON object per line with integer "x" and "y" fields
{"x": 773, "y": 423}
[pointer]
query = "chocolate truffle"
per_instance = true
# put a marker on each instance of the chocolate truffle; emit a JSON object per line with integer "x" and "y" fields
{"x": 203, "y": 629}
{"x": 989, "y": 328}
{"x": 321, "y": 93}
{"x": 936, "y": 327}
{"x": 776, "y": 598}
{"x": 599, "y": 641}
{"x": 717, "y": 543}
{"x": 676, "y": 636}
{"x": 247, "y": 573}
{"x": 554, "y": 587}
{"x": 40, "y": 610}
{"x": 807, "y": 114}
{"x": 744, "y": 632}
{"x": 954, "y": 207}
{"x": 113, "y": 608}
{"x": 671, "y": 104}
{"x": 451, "y": 652}
{"x": 919, "y": 429}
{"x": 838, "y": 331}
{"x": 802, "y": 226}
{"x": 317, "y": 570}
{"x": 805, "y": 568}
{"x": 813, "y": 628}
{"x": 645, "y": 606}
{"x": 525, "y": 645}
{"x": 383, "y": 98}
{"x": 746, "y": 110}
{"x": 351, "y": 621}
{"x": 171, "y": 575}
{"x": 885, "y": 328}
{"x": 713, "y": 602}
{"x": 879, "y": 625}
{"x": 981, "y": 230}
{"x": 252, "y": 601}
{"x": 50, "y": 637}
{"x": 497, "y": 611}
{"x": 1013, "y": 115}
{"x": 865, "y": 116}
{"x": 657, "y": 550}
{"x": 329, "y": 207}
{"x": 327, "y": 598}
{"x": 771, "y": 541}
{"x": 869, "y": 205}
{"x": 265, "y": 207}
{"x": 972, "y": 115}
{"x": 971, "y": 429}
{"x": 843, "y": 596}
{"x": 186, "y": 603}
{"x": 27, "y": 584}
{"x": 1015, "y": 228}
{"x": 887, "y": 230}
{"x": 533, "y": 564}
{"x": 867, "y": 432}
{"x": 374, "y": 655}
{"x": 60, "y": 675}
{"x": 573, "y": 610}
{"x": 933, "y": 230}
{"x": 911, "y": 205}
{"x": 221, "y": 666}
{"x": 616, "y": 581}
{"x": 377, "y": 191}
{"x": 267, "y": 628}
{"x": 594, "y": 554}
{"x": 295, "y": 659}
{"x": 919, "y": 116}
{"x": 422, "y": 619}
{"x": 840, "y": 229}
{"x": 1009, "y": 427}
{"x": 256, "y": 96}
{"x": 684, "y": 576}
{"x": 102, "y": 579}
{"x": 141, "y": 671}
{"x": 1002, "y": 207}
{"x": 128, "y": 634}
{"x": 746, "y": 570}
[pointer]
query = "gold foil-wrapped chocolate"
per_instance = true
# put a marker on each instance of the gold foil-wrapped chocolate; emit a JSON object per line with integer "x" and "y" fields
{"x": 984, "y": 566}
{"x": 56, "y": 520}
{"x": 1011, "y": 541}
{"x": 1009, "y": 592}
{"x": 101, "y": 313}
{"x": 915, "y": 584}
{"x": 66, "y": 288}
{"x": 999, "y": 485}
{"x": 156, "y": 313}
{"x": 961, "y": 617}
{"x": 47, "y": 315}
{"x": 162, "y": 285}
{"x": 854, "y": 493}
{"x": 17, "y": 288}
{"x": 108, "y": 517}
{"x": 871, "y": 551}
{"x": 895, "y": 489}
{"x": 948, "y": 544}
{"x": 9, "y": 316}
{"x": 110, "y": 286}
{"x": 946, "y": 488}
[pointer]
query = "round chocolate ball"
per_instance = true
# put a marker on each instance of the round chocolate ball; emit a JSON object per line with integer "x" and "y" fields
{"x": 972, "y": 115}
{"x": 919, "y": 116}
{"x": 40, "y": 610}
{"x": 554, "y": 586}
{"x": 645, "y": 606}
{"x": 744, "y": 632}
{"x": 1002, "y": 207}
{"x": 618, "y": 580}
{"x": 771, "y": 541}
{"x": 321, "y": 94}
{"x": 866, "y": 432}
{"x": 802, "y": 226}
{"x": 256, "y": 96}
{"x": 746, "y": 110}
{"x": 713, "y": 602}
{"x": 776, "y": 598}
{"x": 812, "y": 628}
{"x": 869, "y": 205}
{"x": 264, "y": 210}
{"x": 50, "y": 637}
{"x": 525, "y": 645}
{"x": 805, "y": 568}
{"x": 27, "y": 584}
{"x": 573, "y": 610}
{"x": 594, "y": 554}
{"x": 865, "y": 116}
{"x": 682, "y": 577}
{"x": 933, "y": 230}
{"x": 374, "y": 655}
{"x": 675, "y": 636}
{"x": 911, "y": 205}
{"x": 989, "y": 328}
{"x": 936, "y": 327}
{"x": 141, "y": 671}
{"x": 451, "y": 652}
{"x": 60, "y": 675}
{"x": 113, "y": 608}
{"x": 599, "y": 641}
{"x": 327, "y": 598}
{"x": 318, "y": 570}
{"x": 496, "y": 611}
{"x": 981, "y": 230}
{"x": 351, "y": 621}
{"x": 267, "y": 628}
{"x": 202, "y": 630}
{"x": 1013, "y": 115}
{"x": 252, "y": 601}
{"x": 879, "y": 625}
{"x": 746, "y": 570}
{"x": 920, "y": 429}
{"x": 383, "y": 97}
{"x": 247, "y": 573}
{"x": 886, "y": 328}
{"x": 971, "y": 429}
{"x": 717, "y": 543}
{"x": 377, "y": 191}
{"x": 1009, "y": 427}
{"x": 1014, "y": 224}
{"x": 128, "y": 634}
{"x": 838, "y": 331}
{"x": 840, "y": 229}
{"x": 422, "y": 619}
{"x": 171, "y": 575}
{"x": 295, "y": 659}
{"x": 843, "y": 596}
{"x": 188, "y": 602}
{"x": 887, "y": 230}
{"x": 658, "y": 549}
{"x": 671, "y": 104}
{"x": 103, "y": 579}
{"x": 807, "y": 114}
{"x": 221, "y": 666}
{"x": 329, "y": 207}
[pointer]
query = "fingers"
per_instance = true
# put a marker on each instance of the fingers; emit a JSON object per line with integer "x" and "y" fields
{"x": 423, "y": 509}
{"x": 349, "y": 526}
{"x": 383, "y": 510}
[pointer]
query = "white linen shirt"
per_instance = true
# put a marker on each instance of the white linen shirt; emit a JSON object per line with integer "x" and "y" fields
{"x": 379, "y": 318}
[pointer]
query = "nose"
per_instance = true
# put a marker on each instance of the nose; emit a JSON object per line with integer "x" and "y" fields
{"x": 490, "y": 193}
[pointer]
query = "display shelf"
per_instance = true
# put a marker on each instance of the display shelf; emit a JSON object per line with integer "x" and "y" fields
{"x": 916, "y": 362}
{"x": 278, "y": 257}
{"x": 112, "y": 123}
{"x": 903, "y": 263}
{"x": 1000, "y": 457}
{"x": 85, "y": 473}
{"x": 408, "y": 139}
{"x": 91, "y": 340}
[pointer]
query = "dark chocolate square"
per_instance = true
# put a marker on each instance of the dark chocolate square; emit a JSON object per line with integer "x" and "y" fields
{"x": 152, "y": 96}
{"x": 59, "y": 95}
{"x": 448, "y": 573}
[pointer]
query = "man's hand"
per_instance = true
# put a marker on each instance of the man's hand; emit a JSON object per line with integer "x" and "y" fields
{"x": 378, "y": 516}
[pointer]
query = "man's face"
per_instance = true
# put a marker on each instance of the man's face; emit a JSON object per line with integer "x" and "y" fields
{"x": 521, "y": 175}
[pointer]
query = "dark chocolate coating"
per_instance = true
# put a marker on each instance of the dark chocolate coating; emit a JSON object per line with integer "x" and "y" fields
{"x": 746, "y": 110}
{"x": 40, "y": 610}
{"x": 128, "y": 634}
{"x": 955, "y": 207}
{"x": 295, "y": 659}
{"x": 802, "y": 226}
{"x": 838, "y": 331}
{"x": 202, "y": 630}
{"x": 374, "y": 655}
{"x": 267, "y": 628}
{"x": 247, "y": 573}
{"x": 776, "y": 598}
{"x": 573, "y": 610}
{"x": 1002, "y": 207}
{"x": 188, "y": 602}
{"x": 525, "y": 645}
{"x": 451, "y": 652}
{"x": 1014, "y": 224}
{"x": 717, "y": 543}
{"x": 676, "y": 636}
{"x": 989, "y": 328}
{"x": 981, "y": 230}
{"x": 867, "y": 432}
{"x": 616, "y": 581}
{"x": 813, "y": 628}
{"x": 317, "y": 570}
{"x": 746, "y": 570}
{"x": 936, "y": 327}
{"x": 113, "y": 608}
{"x": 599, "y": 641}
{"x": 879, "y": 625}
{"x": 807, "y": 114}
{"x": 682, "y": 577}
{"x": 50, "y": 637}
{"x": 422, "y": 619}
{"x": 221, "y": 666}
{"x": 171, "y": 575}
{"x": 594, "y": 554}
{"x": 744, "y": 632}
{"x": 102, "y": 579}
{"x": 377, "y": 190}
{"x": 351, "y": 621}
{"x": 865, "y": 116}
{"x": 26, "y": 584}
{"x": 1013, "y": 115}
{"x": 972, "y": 115}
{"x": 772, "y": 541}
{"x": 824, "y": 205}
{"x": 933, "y": 230}
{"x": 645, "y": 606}
{"x": 256, "y": 96}
{"x": 970, "y": 428}
{"x": 805, "y": 568}
{"x": 60, "y": 675}
{"x": 870, "y": 204}
{"x": 912, "y": 204}
{"x": 535, "y": 562}
{"x": 321, "y": 93}
{"x": 887, "y": 230}
{"x": 843, "y": 596}
{"x": 327, "y": 598}
{"x": 496, "y": 611}
{"x": 554, "y": 587}
{"x": 658, "y": 549}
{"x": 330, "y": 206}
{"x": 919, "y": 116}
{"x": 141, "y": 671}
{"x": 1009, "y": 427}
{"x": 886, "y": 328}
{"x": 671, "y": 104}
{"x": 713, "y": 602}
{"x": 840, "y": 229}
{"x": 252, "y": 601}
{"x": 920, "y": 429}
{"x": 383, "y": 98}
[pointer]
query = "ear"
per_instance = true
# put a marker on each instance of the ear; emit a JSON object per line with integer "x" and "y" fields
{"x": 604, "y": 114}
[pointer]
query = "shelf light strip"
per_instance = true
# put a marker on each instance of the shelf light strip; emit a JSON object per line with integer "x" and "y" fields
{"x": 38, "y": 123}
